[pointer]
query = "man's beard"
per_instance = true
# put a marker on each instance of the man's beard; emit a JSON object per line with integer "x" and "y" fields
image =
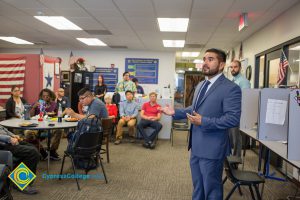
{"x": 210, "y": 72}
{"x": 235, "y": 73}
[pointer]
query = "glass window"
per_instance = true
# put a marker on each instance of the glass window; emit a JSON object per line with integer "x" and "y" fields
{"x": 294, "y": 62}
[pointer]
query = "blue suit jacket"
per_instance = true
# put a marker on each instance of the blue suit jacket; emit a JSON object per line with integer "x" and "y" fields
{"x": 220, "y": 109}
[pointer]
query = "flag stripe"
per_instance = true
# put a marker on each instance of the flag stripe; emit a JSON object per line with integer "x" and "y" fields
{"x": 10, "y": 75}
{"x": 11, "y": 62}
{"x": 9, "y": 69}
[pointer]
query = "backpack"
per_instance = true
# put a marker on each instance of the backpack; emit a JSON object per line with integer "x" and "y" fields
{"x": 84, "y": 126}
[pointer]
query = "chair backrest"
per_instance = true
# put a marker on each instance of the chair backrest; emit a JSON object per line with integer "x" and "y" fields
{"x": 107, "y": 125}
{"x": 6, "y": 158}
{"x": 88, "y": 144}
{"x": 229, "y": 170}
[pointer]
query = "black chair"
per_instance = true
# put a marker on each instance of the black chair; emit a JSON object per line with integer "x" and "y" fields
{"x": 107, "y": 126}
{"x": 243, "y": 178}
{"x": 179, "y": 125}
{"x": 87, "y": 148}
{"x": 6, "y": 165}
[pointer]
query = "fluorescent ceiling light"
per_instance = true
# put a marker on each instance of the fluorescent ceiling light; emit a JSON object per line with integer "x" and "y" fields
{"x": 190, "y": 54}
{"x": 173, "y": 24}
{"x": 58, "y": 22}
{"x": 92, "y": 41}
{"x": 180, "y": 71}
{"x": 295, "y": 48}
{"x": 15, "y": 40}
{"x": 297, "y": 60}
{"x": 198, "y": 61}
{"x": 173, "y": 43}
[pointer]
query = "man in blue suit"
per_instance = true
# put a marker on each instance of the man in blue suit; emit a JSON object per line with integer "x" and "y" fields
{"x": 216, "y": 107}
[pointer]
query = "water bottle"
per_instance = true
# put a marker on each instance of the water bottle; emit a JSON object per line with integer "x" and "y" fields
{"x": 59, "y": 113}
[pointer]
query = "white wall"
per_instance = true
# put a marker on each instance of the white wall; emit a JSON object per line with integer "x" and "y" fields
{"x": 283, "y": 28}
{"x": 100, "y": 58}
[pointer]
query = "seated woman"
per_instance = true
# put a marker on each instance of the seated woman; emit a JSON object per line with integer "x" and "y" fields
{"x": 48, "y": 98}
{"x": 15, "y": 104}
{"x": 112, "y": 109}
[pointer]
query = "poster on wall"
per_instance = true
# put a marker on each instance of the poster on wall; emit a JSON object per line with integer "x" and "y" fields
{"x": 110, "y": 76}
{"x": 144, "y": 69}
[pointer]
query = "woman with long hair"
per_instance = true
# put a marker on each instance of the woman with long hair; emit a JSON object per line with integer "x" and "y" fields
{"x": 15, "y": 104}
{"x": 100, "y": 89}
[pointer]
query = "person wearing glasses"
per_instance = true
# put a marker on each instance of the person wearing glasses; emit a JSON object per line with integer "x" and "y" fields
{"x": 15, "y": 104}
{"x": 95, "y": 106}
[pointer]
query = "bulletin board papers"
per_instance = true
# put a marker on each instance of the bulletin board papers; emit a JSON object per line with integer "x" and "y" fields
{"x": 144, "y": 69}
{"x": 110, "y": 76}
{"x": 276, "y": 111}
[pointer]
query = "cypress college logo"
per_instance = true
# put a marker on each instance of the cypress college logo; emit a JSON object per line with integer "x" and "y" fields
{"x": 22, "y": 176}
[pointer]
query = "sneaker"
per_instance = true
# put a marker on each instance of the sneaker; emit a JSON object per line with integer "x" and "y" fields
{"x": 117, "y": 142}
{"x": 146, "y": 145}
{"x": 132, "y": 139}
{"x": 28, "y": 190}
{"x": 54, "y": 155}
{"x": 152, "y": 145}
{"x": 44, "y": 154}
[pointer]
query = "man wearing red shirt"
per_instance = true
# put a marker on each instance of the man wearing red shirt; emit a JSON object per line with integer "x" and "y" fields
{"x": 150, "y": 115}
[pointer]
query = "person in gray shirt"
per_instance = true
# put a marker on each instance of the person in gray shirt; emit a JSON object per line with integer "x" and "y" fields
{"x": 95, "y": 106}
{"x": 128, "y": 114}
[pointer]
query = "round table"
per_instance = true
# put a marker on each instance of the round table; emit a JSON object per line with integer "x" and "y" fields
{"x": 14, "y": 123}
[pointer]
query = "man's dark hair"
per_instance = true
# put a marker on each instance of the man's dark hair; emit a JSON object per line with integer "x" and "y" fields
{"x": 238, "y": 63}
{"x": 83, "y": 91}
{"x": 128, "y": 91}
{"x": 221, "y": 54}
{"x": 134, "y": 80}
{"x": 125, "y": 73}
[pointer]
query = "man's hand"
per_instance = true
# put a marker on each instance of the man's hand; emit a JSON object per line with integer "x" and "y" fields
{"x": 167, "y": 110}
{"x": 127, "y": 118}
{"x": 195, "y": 118}
{"x": 14, "y": 141}
{"x": 70, "y": 112}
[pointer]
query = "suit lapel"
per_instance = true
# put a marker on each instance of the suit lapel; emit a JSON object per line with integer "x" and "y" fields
{"x": 196, "y": 92}
{"x": 212, "y": 88}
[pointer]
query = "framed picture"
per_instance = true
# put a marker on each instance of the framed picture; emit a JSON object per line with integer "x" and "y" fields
{"x": 78, "y": 78}
{"x": 65, "y": 76}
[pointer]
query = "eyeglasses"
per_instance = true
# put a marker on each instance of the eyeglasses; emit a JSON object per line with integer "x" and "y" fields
{"x": 16, "y": 90}
{"x": 82, "y": 98}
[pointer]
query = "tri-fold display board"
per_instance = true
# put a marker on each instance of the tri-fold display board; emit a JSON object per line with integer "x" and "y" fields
{"x": 278, "y": 114}
{"x": 294, "y": 125}
{"x": 273, "y": 115}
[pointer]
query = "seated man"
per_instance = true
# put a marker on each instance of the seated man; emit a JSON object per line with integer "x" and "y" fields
{"x": 95, "y": 106}
{"x": 128, "y": 113}
{"x": 150, "y": 115}
{"x": 25, "y": 152}
{"x": 61, "y": 99}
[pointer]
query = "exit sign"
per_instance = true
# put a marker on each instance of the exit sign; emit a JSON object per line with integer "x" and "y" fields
{"x": 243, "y": 21}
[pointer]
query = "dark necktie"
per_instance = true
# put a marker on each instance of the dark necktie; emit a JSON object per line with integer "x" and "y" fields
{"x": 201, "y": 94}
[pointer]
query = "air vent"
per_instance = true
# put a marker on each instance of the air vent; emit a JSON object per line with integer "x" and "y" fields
{"x": 98, "y": 32}
{"x": 194, "y": 46}
{"x": 118, "y": 47}
{"x": 41, "y": 43}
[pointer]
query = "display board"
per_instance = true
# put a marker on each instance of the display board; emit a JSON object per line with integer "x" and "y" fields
{"x": 110, "y": 76}
{"x": 294, "y": 126}
{"x": 273, "y": 124}
{"x": 250, "y": 105}
{"x": 144, "y": 69}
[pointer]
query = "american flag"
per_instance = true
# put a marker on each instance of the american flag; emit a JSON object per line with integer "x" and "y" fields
{"x": 72, "y": 59}
{"x": 283, "y": 64}
{"x": 12, "y": 72}
{"x": 42, "y": 58}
